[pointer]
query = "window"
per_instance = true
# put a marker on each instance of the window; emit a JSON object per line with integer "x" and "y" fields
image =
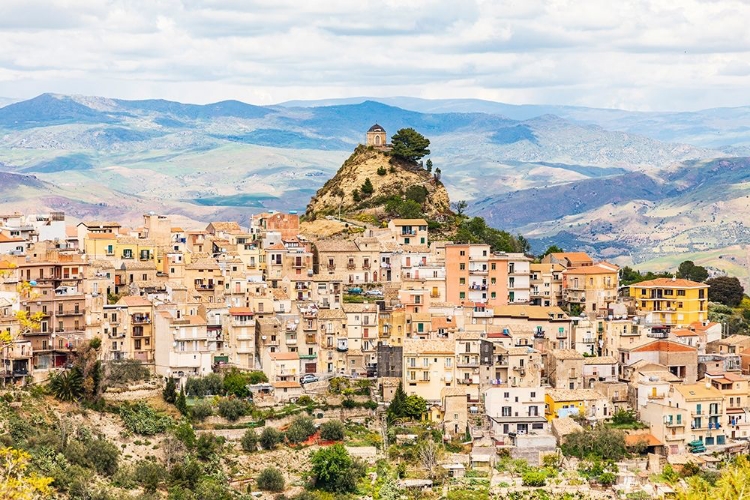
{"x": 462, "y": 253}
{"x": 680, "y": 293}
{"x": 493, "y": 266}
{"x": 462, "y": 281}
{"x": 137, "y": 344}
{"x": 426, "y": 362}
{"x": 406, "y": 241}
{"x": 461, "y": 295}
{"x": 493, "y": 281}
{"x": 462, "y": 266}
{"x": 533, "y": 395}
{"x": 448, "y": 362}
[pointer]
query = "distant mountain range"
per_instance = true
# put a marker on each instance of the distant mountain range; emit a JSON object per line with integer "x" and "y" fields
{"x": 619, "y": 184}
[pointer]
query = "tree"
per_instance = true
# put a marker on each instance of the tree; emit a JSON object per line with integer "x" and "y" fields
{"x": 333, "y": 430}
{"x": 414, "y": 407}
{"x": 149, "y": 475}
{"x": 249, "y": 440}
{"x": 355, "y": 196}
{"x": 16, "y": 482}
{"x": 438, "y": 174}
{"x": 689, "y": 271}
{"x": 551, "y": 249}
{"x": 382, "y": 170}
{"x": 601, "y": 442}
{"x": 201, "y": 411}
{"x": 169, "y": 393}
{"x": 270, "y": 479}
{"x": 232, "y": 409}
{"x": 300, "y": 429}
{"x": 270, "y": 438}
{"x": 398, "y": 403}
{"x": 367, "y": 188}
{"x": 257, "y": 377}
{"x": 67, "y": 385}
{"x": 417, "y": 193}
{"x": 534, "y": 477}
{"x": 459, "y": 207}
{"x": 429, "y": 165}
{"x": 181, "y": 402}
{"x": 235, "y": 384}
{"x": 409, "y": 209}
{"x": 429, "y": 454}
{"x": 103, "y": 456}
{"x": 725, "y": 290}
{"x": 334, "y": 470}
{"x": 409, "y": 145}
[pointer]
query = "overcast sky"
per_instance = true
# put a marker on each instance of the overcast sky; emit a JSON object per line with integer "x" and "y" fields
{"x": 631, "y": 54}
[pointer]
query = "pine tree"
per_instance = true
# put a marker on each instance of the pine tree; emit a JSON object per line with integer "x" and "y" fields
{"x": 181, "y": 403}
{"x": 367, "y": 188}
{"x": 429, "y": 165}
{"x": 398, "y": 404}
{"x": 170, "y": 391}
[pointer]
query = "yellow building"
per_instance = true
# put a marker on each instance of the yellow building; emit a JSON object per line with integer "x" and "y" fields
{"x": 594, "y": 288}
{"x": 674, "y": 302}
{"x": 589, "y": 403}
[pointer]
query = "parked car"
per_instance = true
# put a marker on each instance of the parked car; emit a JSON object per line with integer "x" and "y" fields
{"x": 374, "y": 293}
{"x": 307, "y": 378}
{"x": 354, "y": 290}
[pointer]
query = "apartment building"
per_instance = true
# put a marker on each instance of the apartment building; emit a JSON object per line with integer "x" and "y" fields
{"x": 429, "y": 366}
{"x": 136, "y": 335}
{"x": 673, "y": 302}
{"x": 182, "y": 347}
{"x": 546, "y": 284}
{"x": 565, "y": 369}
{"x": 410, "y": 231}
{"x": 592, "y": 288}
{"x": 518, "y": 410}
{"x": 735, "y": 391}
{"x": 240, "y": 335}
{"x": 588, "y": 403}
{"x": 680, "y": 360}
{"x": 706, "y": 405}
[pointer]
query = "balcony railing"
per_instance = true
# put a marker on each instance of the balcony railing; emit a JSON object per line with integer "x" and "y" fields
{"x": 351, "y": 266}
{"x": 69, "y": 312}
{"x": 140, "y": 320}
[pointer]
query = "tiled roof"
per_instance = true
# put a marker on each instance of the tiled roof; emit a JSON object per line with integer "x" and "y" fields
{"x": 575, "y": 394}
{"x": 286, "y": 385}
{"x": 133, "y": 301}
{"x": 336, "y": 246}
{"x": 664, "y": 345}
{"x": 564, "y": 354}
{"x": 418, "y": 346}
{"x": 600, "y": 268}
{"x": 284, "y": 356}
{"x": 669, "y": 283}
{"x": 240, "y": 311}
{"x": 409, "y": 222}
{"x": 599, "y": 360}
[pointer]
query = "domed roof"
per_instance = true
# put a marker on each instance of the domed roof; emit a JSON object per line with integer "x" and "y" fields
{"x": 376, "y": 128}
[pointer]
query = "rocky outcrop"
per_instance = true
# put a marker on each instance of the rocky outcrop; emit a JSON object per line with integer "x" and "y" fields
{"x": 389, "y": 177}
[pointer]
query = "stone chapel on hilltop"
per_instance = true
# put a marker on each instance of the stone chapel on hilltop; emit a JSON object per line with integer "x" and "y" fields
{"x": 376, "y": 137}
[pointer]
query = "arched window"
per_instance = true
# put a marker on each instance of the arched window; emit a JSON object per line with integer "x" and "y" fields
{"x": 377, "y": 140}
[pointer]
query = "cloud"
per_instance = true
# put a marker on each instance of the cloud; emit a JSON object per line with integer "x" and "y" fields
{"x": 638, "y": 54}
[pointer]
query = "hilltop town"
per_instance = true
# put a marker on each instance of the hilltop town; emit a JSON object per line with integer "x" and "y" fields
{"x": 484, "y": 342}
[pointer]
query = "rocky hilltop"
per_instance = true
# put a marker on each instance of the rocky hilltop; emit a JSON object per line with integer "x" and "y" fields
{"x": 392, "y": 180}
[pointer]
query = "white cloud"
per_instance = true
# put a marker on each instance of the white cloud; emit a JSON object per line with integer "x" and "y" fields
{"x": 637, "y": 54}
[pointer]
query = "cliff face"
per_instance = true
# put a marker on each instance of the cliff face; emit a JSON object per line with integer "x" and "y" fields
{"x": 364, "y": 164}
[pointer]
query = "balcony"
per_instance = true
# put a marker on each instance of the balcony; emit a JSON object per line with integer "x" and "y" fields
{"x": 308, "y": 356}
{"x": 475, "y": 286}
{"x": 671, "y": 423}
{"x": 460, "y": 363}
{"x": 482, "y": 314}
{"x": 674, "y": 437}
{"x": 331, "y": 267}
{"x": 351, "y": 266}
{"x": 209, "y": 286}
{"x": 561, "y": 334}
{"x": 478, "y": 270}
{"x": 139, "y": 319}
{"x": 539, "y": 334}
{"x": 658, "y": 335}
{"x": 366, "y": 266}
{"x": 69, "y": 312}
{"x": 298, "y": 264}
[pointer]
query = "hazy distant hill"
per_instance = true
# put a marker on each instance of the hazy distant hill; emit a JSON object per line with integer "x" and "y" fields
{"x": 610, "y": 181}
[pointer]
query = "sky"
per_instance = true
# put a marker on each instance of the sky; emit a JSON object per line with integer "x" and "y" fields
{"x": 644, "y": 55}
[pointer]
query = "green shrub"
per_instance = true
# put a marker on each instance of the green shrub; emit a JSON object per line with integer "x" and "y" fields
{"x": 185, "y": 433}
{"x": 140, "y": 418}
{"x": 207, "y": 445}
{"x": 270, "y": 479}
{"x": 382, "y": 170}
{"x": 149, "y": 475}
{"x": 333, "y": 430}
{"x": 103, "y": 456}
{"x": 300, "y": 429}
{"x": 249, "y": 440}
{"x": 235, "y": 384}
{"x": 349, "y": 403}
{"x": 169, "y": 393}
{"x": 232, "y": 409}
{"x": 304, "y": 400}
{"x": 201, "y": 411}
{"x": 257, "y": 377}
{"x": 270, "y": 438}
{"x": 534, "y": 477}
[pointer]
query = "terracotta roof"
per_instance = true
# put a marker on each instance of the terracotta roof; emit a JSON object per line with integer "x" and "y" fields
{"x": 664, "y": 345}
{"x": 682, "y": 332}
{"x": 240, "y": 311}
{"x": 336, "y": 246}
{"x": 599, "y": 360}
{"x": 566, "y": 354}
{"x": 669, "y": 283}
{"x": 196, "y": 320}
{"x": 133, "y": 301}
{"x": 574, "y": 394}
{"x": 573, "y": 257}
{"x": 700, "y": 327}
{"x": 284, "y": 356}
{"x": 71, "y": 231}
{"x": 601, "y": 268}
{"x": 224, "y": 226}
{"x": 100, "y": 236}
{"x": 634, "y": 439}
{"x": 420, "y": 346}
{"x": 206, "y": 263}
{"x": 286, "y": 385}
{"x": 409, "y": 222}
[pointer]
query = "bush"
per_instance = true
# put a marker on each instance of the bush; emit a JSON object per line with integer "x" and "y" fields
{"x": 140, "y": 418}
{"x": 333, "y": 430}
{"x": 201, "y": 411}
{"x": 300, "y": 429}
{"x": 185, "y": 433}
{"x": 349, "y": 403}
{"x": 334, "y": 470}
{"x": 207, "y": 445}
{"x": 607, "y": 478}
{"x": 270, "y": 438}
{"x": 249, "y": 440}
{"x": 270, "y": 479}
{"x": 125, "y": 371}
{"x": 305, "y": 400}
{"x": 534, "y": 478}
{"x": 149, "y": 475}
{"x": 232, "y": 409}
{"x": 210, "y": 385}
{"x": 103, "y": 456}
{"x": 235, "y": 384}
{"x": 382, "y": 171}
